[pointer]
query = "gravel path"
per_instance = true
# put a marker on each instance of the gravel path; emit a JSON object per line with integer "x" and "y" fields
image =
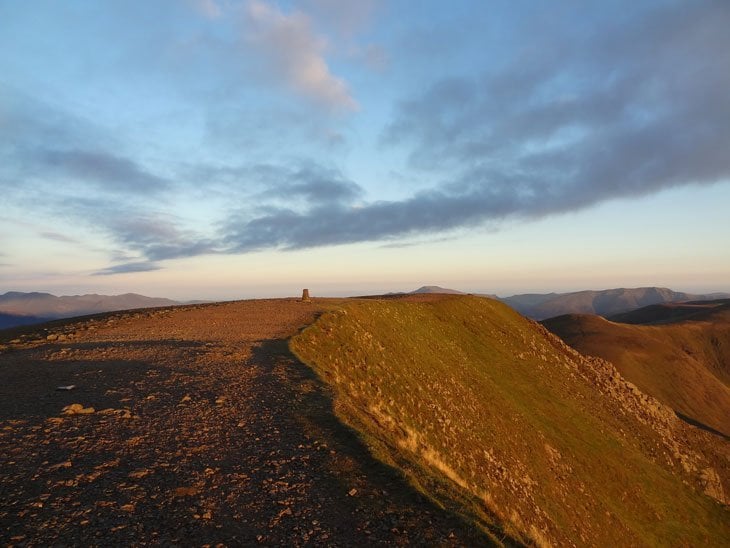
{"x": 205, "y": 430}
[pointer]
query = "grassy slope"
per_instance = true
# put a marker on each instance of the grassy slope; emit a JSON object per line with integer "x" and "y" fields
{"x": 685, "y": 364}
{"x": 492, "y": 416}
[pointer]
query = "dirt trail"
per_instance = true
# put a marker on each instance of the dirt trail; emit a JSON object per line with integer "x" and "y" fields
{"x": 206, "y": 430}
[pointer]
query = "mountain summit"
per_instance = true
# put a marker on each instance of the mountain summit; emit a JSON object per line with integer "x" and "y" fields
{"x": 436, "y": 289}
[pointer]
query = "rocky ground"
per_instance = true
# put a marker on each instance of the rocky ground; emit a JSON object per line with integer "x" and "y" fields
{"x": 191, "y": 426}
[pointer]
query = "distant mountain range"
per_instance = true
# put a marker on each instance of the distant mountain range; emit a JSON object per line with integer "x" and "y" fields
{"x": 608, "y": 302}
{"x": 602, "y": 303}
{"x": 18, "y": 308}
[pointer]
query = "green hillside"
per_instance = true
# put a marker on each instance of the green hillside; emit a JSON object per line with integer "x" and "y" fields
{"x": 498, "y": 420}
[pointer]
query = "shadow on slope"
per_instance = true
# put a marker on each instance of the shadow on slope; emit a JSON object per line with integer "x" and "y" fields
{"x": 698, "y": 424}
{"x": 673, "y": 312}
{"x": 303, "y": 397}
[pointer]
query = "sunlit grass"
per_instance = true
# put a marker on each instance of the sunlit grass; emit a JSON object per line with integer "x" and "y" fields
{"x": 488, "y": 415}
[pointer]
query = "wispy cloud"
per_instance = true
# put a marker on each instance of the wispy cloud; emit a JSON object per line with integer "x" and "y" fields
{"x": 157, "y": 238}
{"x": 639, "y": 108}
{"x": 295, "y": 54}
{"x": 306, "y": 181}
{"x": 40, "y": 142}
{"x": 58, "y": 237}
{"x": 102, "y": 168}
{"x": 126, "y": 268}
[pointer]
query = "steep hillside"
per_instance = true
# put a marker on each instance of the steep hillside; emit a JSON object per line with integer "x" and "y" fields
{"x": 685, "y": 364}
{"x": 495, "y": 418}
{"x": 604, "y": 303}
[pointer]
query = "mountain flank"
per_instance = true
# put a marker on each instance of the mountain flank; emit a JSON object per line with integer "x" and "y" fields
{"x": 498, "y": 420}
{"x": 681, "y": 357}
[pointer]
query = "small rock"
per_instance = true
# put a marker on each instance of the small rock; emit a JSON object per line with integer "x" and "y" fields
{"x": 52, "y": 337}
{"x": 138, "y": 474}
{"x": 186, "y": 491}
{"x": 77, "y": 409}
{"x": 713, "y": 485}
{"x": 186, "y": 398}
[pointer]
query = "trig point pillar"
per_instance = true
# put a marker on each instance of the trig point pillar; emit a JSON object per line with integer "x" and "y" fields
{"x": 305, "y": 296}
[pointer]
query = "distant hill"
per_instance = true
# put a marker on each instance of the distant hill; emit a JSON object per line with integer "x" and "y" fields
{"x": 603, "y": 303}
{"x": 19, "y": 308}
{"x": 681, "y": 357}
{"x": 436, "y": 289}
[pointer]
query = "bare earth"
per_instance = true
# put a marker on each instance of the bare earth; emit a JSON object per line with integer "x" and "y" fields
{"x": 205, "y": 430}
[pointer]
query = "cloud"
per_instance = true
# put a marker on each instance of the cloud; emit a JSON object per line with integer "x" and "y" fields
{"x": 126, "y": 268}
{"x": 139, "y": 233}
{"x": 104, "y": 169}
{"x": 333, "y": 224}
{"x": 156, "y": 238}
{"x": 294, "y": 54}
{"x": 632, "y": 111}
{"x": 578, "y": 116}
{"x": 307, "y": 181}
{"x": 58, "y": 237}
{"x": 638, "y": 108}
{"x": 40, "y": 142}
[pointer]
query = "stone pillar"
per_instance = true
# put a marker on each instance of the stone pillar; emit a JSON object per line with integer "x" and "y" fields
{"x": 305, "y": 296}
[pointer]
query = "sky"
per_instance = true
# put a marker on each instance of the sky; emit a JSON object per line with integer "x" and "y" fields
{"x": 224, "y": 149}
